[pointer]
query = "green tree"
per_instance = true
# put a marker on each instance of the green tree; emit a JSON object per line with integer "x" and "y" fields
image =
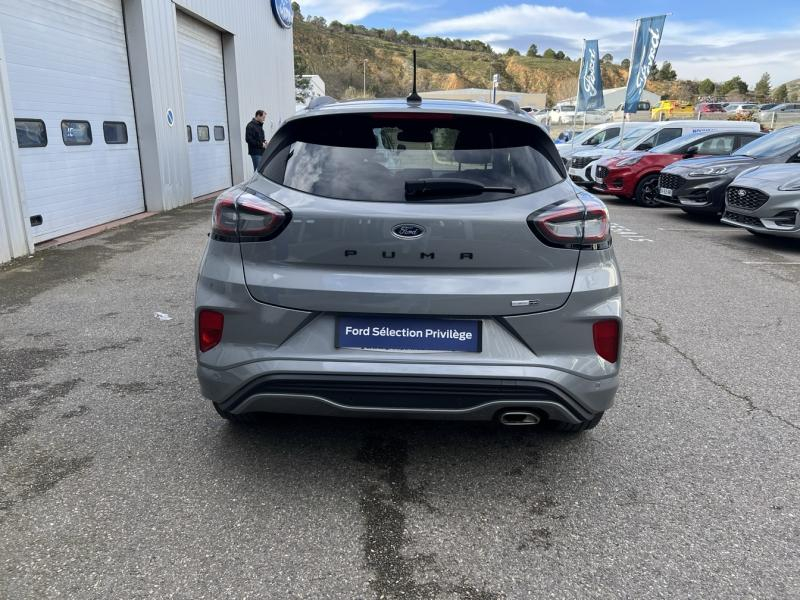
{"x": 533, "y": 50}
{"x": 733, "y": 84}
{"x": 655, "y": 73}
{"x": 762, "y": 88}
{"x": 608, "y": 58}
{"x": 626, "y": 63}
{"x": 549, "y": 53}
{"x": 780, "y": 93}
{"x": 560, "y": 55}
{"x": 512, "y": 52}
{"x": 298, "y": 16}
{"x": 667, "y": 73}
{"x": 706, "y": 87}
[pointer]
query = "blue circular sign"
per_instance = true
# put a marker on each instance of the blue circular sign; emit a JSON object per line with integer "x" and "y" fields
{"x": 284, "y": 15}
{"x": 170, "y": 117}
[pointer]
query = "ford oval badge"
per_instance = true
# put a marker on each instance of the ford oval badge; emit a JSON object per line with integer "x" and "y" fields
{"x": 407, "y": 231}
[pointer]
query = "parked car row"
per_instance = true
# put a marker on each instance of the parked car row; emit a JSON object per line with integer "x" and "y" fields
{"x": 730, "y": 170}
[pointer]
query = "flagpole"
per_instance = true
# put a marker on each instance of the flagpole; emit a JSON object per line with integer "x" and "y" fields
{"x": 625, "y": 99}
{"x": 577, "y": 95}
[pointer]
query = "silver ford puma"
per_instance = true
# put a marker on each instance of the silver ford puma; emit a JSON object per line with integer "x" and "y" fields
{"x": 395, "y": 258}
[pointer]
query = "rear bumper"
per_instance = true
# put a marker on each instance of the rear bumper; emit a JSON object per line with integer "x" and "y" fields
{"x": 411, "y": 390}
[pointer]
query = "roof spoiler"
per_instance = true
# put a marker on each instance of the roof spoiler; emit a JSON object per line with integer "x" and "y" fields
{"x": 511, "y": 105}
{"x": 320, "y": 101}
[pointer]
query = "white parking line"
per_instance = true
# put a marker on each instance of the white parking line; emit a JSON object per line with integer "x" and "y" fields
{"x": 775, "y": 262}
{"x": 628, "y": 234}
{"x": 715, "y": 229}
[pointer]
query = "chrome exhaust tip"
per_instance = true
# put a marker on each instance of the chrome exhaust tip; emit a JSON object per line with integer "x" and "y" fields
{"x": 519, "y": 417}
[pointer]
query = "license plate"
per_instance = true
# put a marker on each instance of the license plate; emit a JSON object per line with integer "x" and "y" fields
{"x": 599, "y": 180}
{"x": 408, "y": 334}
{"x": 575, "y": 171}
{"x": 665, "y": 192}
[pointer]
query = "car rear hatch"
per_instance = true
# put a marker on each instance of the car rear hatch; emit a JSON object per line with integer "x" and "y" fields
{"x": 411, "y": 213}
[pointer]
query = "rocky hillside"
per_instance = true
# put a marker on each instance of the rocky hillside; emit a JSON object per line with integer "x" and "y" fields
{"x": 338, "y": 57}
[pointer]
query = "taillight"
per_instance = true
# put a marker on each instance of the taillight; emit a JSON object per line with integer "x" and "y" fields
{"x": 606, "y": 339}
{"x": 223, "y": 219}
{"x": 247, "y": 217}
{"x": 578, "y": 223}
{"x": 209, "y": 329}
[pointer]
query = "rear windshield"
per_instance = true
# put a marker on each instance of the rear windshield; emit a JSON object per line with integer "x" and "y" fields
{"x": 379, "y": 157}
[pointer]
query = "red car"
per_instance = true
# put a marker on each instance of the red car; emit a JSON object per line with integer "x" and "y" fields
{"x": 709, "y": 107}
{"x": 634, "y": 175}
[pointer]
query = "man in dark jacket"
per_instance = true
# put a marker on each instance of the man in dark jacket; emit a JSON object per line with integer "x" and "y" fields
{"x": 254, "y": 136}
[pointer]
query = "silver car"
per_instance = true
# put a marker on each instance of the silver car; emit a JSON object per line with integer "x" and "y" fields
{"x": 765, "y": 200}
{"x": 392, "y": 258}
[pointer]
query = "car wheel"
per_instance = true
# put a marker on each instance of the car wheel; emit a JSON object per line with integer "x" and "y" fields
{"x": 646, "y": 192}
{"x": 563, "y": 427}
{"x": 234, "y": 418}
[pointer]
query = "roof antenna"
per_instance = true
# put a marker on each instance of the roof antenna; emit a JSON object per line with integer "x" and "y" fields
{"x": 414, "y": 97}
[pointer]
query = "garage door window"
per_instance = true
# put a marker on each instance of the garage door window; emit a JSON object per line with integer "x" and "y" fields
{"x": 202, "y": 133}
{"x": 31, "y": 133}
{"x": 188, "y": 133}
{"x": 76, "y": 133}
{"x": 115, "y": 132}
{"x": 219, "y": 133}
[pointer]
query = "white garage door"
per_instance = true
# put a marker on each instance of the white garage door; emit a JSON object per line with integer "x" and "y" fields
{"x": 71, "y": 96}
{"x": 203, "y": 81}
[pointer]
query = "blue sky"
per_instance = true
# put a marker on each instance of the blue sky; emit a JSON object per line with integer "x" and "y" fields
{"x": 714, "y": 39}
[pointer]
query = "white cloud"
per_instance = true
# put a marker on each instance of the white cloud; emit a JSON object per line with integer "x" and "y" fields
{"x": 696, "y": 49}
{"x": 347, "y": 11}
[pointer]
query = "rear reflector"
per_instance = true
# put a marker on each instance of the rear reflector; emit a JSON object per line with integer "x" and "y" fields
{"x": 606, "y": 339}
{"x": 209, "y": 329}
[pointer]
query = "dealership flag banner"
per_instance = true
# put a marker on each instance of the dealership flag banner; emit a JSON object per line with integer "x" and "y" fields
{"x": 590, "y": 83}
{"x": 646, "y": 39}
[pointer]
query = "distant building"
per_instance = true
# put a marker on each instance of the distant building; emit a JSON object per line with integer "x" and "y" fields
{"x": 614, "y": 97}
{"x": 534, "y": 99}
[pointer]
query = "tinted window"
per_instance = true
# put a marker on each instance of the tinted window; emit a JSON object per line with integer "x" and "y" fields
{"x": 188, "y": 133}
{"x": 602, "y": 136}
{"x": 679, "y": 145}
{"x": 643, "y": 106}
{"x": 720, "y": 146}
{"x": 31, "y": 133}
{"x": 373, "y": 157}
{"x": 670, "y": 133}
{"x": 115, "y": 132}
{"x": 773, "y": 144}
{"x": 76, "y": 133}
{"x": 202, "y": 133}
{"x": 219, "y": 133}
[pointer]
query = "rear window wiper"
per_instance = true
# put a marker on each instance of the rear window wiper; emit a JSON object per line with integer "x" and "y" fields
{"x": 420, "y": 189}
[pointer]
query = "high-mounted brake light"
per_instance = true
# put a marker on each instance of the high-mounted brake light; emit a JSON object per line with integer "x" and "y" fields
{"x": 209, "y": 329}
{"x": 247, "y": 217}
{"x": 578, "y": 223}
{"x": 606, "y": 339}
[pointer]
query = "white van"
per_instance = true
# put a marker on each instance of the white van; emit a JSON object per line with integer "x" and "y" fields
{"x": 594, "y": 136}
{"x": 645, "y": 137}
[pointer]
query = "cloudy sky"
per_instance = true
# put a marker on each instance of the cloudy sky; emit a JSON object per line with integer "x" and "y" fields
{"x": 702, "y": 39}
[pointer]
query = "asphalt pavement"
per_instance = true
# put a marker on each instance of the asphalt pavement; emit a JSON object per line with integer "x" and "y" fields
{"x": 118, "y": 480}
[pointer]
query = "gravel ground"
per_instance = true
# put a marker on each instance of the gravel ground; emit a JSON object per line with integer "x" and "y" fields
{"x": 117, "y": 480}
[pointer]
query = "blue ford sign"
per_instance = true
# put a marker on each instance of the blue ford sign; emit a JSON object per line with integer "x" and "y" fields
{"x": 590, "y": 88}
{"x": 284, "y": 15}
{"x": 646, "y": 39}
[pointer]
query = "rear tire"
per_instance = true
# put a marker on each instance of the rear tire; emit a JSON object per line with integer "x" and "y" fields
{"x": 646, "y": 194}
{"x": 563, "y": 427}
{"x": 234, "y": 418}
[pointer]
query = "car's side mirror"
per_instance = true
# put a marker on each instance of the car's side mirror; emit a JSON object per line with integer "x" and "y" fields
{"x": 690, "y": 151}
{"x": 645, "y": 146}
